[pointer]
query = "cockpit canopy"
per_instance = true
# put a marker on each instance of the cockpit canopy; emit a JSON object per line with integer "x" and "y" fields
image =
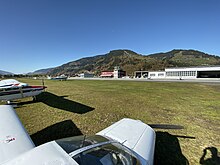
{"x": 97, "y": 150}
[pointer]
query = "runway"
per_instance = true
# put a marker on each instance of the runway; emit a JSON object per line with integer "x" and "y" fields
{"x": 210, "y": 80}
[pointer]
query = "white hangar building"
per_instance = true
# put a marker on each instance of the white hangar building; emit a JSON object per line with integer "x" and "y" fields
{"x": 182, "y": 73}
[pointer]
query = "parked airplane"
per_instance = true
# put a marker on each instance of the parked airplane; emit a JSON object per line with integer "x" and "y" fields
{"x": 126, "y": 142}
{"x": 11, "y": 89}
{"x": 61, "y": 77}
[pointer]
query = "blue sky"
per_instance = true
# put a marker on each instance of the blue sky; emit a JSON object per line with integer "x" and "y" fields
{"x": 36, "y": 34}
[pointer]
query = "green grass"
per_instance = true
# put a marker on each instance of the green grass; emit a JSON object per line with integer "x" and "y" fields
{"x": 85, "y": 107}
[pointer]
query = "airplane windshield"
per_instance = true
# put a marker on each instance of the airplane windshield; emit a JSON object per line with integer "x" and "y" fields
{"x": 107, "y": 154}
{"x": 73, "y": 143}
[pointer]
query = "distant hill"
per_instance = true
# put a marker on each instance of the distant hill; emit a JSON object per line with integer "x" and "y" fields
{"x": 127, "y": 59}
{"x": 182, "y": 58}
{"x": 131, "y": 61}
{"x": 5, "y": 73}
{"x": 40, "y": 72}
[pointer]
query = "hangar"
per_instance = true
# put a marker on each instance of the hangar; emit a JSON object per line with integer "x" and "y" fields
{"x": 182, "y": 73}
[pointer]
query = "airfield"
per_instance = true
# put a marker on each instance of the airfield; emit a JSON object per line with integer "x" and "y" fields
{"x": 76, "y": 106}
{"x": 201, "y": 80}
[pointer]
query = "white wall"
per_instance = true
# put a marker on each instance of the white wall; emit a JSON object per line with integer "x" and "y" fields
{"x": 187, "y": 73}
{"x": 156, "y": 75}
{"x": 115, "y": 73}
{"x": 194, "y": 69}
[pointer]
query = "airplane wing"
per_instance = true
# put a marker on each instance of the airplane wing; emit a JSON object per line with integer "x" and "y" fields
{"x": 8, "y": 83}
{"x": 47, "y": 154}
{"x": 5, "y": 87}
{"x": 14, "y": 140}
{"x": 135, "y": 135}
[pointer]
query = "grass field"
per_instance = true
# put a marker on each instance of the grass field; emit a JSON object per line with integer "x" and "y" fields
{"x": 77, "y": 107}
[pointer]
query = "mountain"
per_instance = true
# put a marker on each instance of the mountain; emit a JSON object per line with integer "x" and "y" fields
{"x": 127, "y": 59}
{"x": 131, "y": 61}
{"x": 5, "y": 73}
{"x": 41, "y": 71}
{"x": 184, "y": 58}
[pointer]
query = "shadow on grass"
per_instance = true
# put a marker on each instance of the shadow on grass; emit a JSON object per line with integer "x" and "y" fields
{"x": 167, "y": 150}
{"x": 215, "y": 156}
{"x": 57, "y": 131}
{"x": 60, "y": 102}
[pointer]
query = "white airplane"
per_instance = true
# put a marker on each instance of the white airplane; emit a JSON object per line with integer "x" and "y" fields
{"x": 126, "y": 142}
{"x": 11, "y": 89}
{"x": 61, "y": 77}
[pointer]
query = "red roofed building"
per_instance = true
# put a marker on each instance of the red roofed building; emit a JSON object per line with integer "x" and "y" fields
{"x": 117, "y": 73}
{"x": 107, "y": 74}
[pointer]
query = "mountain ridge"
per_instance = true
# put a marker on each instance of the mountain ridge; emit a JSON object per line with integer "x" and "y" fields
{"x": 131, "y": 61}
{"x": 5, "y": 73}
{"x": 40, "y": 71}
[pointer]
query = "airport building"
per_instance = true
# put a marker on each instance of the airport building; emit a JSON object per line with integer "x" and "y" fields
{"x": 107, "y": 74}
{"x": 181, "y": 73}
{"x": 86, "y": 75}
{"x": 117, "y": 73}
